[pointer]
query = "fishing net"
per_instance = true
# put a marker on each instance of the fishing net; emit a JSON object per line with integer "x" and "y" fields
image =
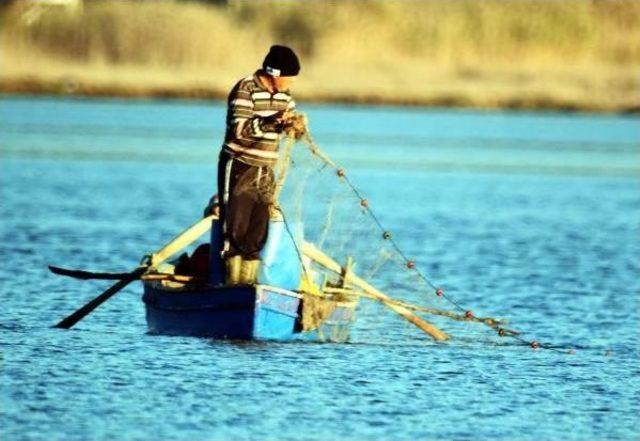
{"x": 322, "y": 206}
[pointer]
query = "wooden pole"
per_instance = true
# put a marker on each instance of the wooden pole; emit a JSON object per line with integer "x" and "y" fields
{"x": 166, "y": 276}
{"x": 318, "y": 256}
{"x": 490, "y": 321}
{"x": 183, "y": 240}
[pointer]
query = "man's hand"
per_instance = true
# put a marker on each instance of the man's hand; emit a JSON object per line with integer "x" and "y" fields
{"x": 285, "y": 117}
{"x": 213, "y": 207}
{"x": 290, "y": 114}
{"x": 295, "y": 125}
{"x": 278, "y": 120}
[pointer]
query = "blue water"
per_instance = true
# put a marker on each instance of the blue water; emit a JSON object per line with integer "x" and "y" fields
{"x": 533, "y": 217}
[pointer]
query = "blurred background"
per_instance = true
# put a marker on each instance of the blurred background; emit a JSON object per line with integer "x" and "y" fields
{"x": 571, "y": 54}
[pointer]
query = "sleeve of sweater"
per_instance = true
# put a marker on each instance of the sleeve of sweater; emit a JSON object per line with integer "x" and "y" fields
{"x": 244, "y": 122}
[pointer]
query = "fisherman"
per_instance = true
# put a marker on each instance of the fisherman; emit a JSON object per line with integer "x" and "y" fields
{"x": 260, "y": 110}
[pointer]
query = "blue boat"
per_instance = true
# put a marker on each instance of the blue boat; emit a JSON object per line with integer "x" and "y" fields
{"x": 259, "y": 312}
{"x": 273, "y": 309}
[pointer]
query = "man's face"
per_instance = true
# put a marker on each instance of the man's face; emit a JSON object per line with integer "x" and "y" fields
{"x": 283, "y": 83}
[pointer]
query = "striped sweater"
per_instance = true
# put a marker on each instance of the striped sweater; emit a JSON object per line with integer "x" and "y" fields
{"x": 253, "y": 135}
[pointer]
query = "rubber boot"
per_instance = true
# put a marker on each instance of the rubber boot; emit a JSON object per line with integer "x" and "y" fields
{"x": 249, "y": 272}
{"x": 233, "y": 267}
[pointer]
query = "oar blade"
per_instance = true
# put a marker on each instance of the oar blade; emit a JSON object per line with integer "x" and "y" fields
{"x": 86, "y": 275}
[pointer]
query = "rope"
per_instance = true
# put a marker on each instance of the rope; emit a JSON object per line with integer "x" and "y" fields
{"x": 386, "y": 234}
{"x": 295, "y": 244}
{"x": 410, "y": 264}
{"x": 284, "y": 168}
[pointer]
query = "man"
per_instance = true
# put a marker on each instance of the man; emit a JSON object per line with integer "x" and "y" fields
{"x": 260, "y": 109}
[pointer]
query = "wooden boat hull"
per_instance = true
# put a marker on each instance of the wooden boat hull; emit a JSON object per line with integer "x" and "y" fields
{"x": 258, "y": 312}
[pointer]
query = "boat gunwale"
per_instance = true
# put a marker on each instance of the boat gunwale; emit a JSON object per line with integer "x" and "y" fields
{"x": 201, "y": 288}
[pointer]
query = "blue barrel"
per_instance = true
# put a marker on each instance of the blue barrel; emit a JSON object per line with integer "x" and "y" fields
{"x": 280, "y": 267}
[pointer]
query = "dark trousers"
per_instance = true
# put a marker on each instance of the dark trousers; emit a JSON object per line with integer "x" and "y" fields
{"x": 245, "y": 194}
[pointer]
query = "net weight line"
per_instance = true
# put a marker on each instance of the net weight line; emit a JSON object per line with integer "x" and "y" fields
{"x": 410, "y": 264}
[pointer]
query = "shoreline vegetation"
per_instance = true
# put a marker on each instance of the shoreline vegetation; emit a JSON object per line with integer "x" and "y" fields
{"x": 572, "y": 55}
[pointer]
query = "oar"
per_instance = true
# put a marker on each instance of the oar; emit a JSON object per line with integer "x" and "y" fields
{"x": 90, "y": 275}
{"x": 318, "y": 256}
{"x": 81, "y": 313}
{"x": 181, "y": 241}
{"x": 490, "y": 321}
{"x": 86, "y": 275}
{"x": 170, "y": 277}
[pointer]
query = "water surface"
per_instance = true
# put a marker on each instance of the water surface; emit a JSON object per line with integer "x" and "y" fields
{"x": 534, "y": 217}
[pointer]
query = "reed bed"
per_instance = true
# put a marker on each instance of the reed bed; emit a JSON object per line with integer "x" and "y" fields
{"x": 571, "y": 54}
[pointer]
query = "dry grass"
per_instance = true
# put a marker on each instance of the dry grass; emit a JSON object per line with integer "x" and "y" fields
{"x": 571, "y": 54}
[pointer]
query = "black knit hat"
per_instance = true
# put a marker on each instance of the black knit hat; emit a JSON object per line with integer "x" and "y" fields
{"x": 281, "y": 61}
